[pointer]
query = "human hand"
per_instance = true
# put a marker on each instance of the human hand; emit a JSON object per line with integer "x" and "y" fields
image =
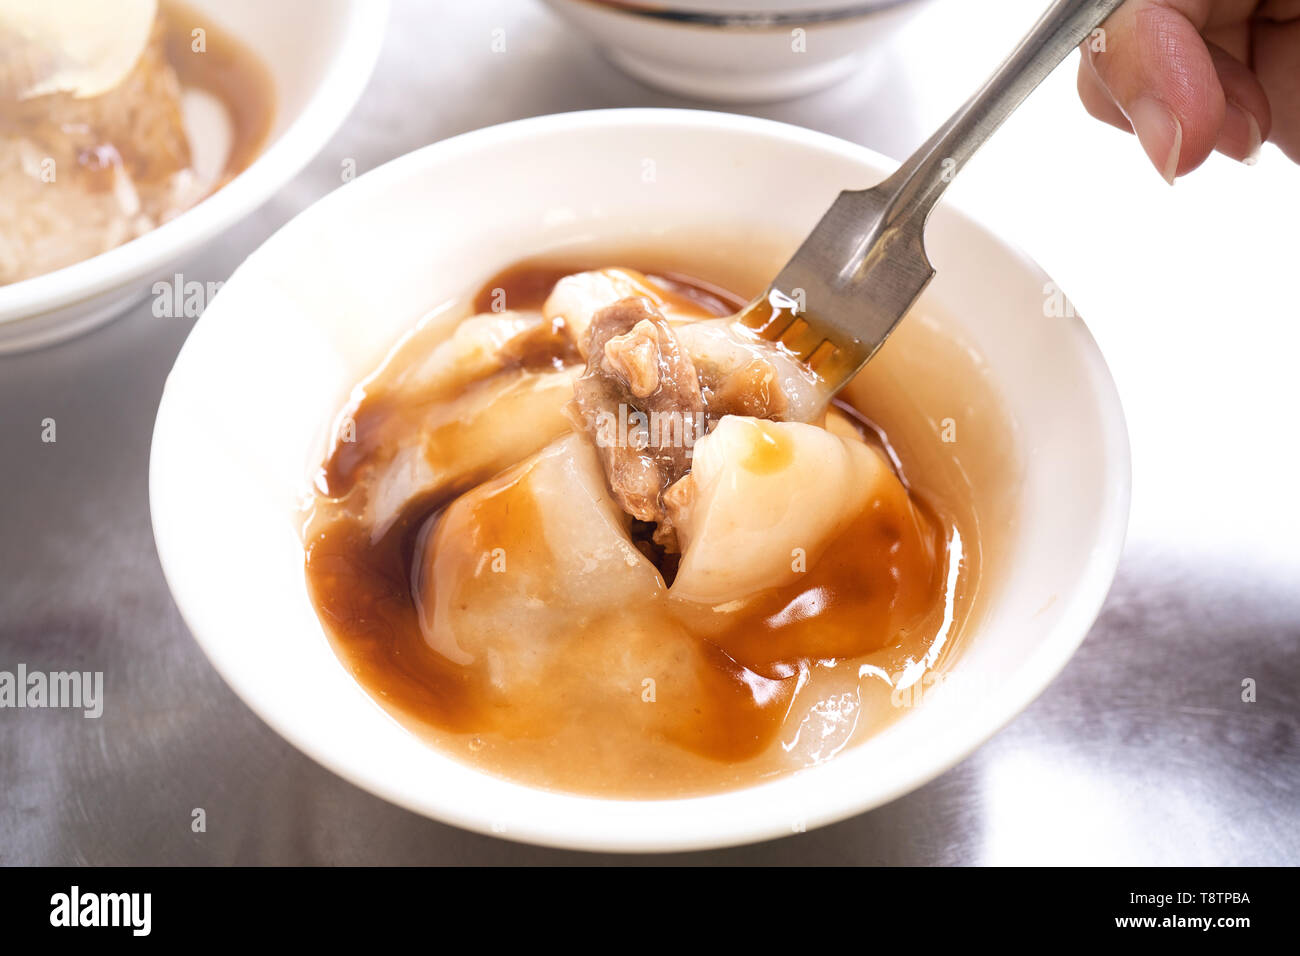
{"x": 1193, "y": 76}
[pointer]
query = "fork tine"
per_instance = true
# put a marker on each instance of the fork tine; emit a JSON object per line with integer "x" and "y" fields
{"x": 823, "y": 357}
{"x": 766, "y": 321}
{"x": 804, "y": 339}
{"x": 801, "y": 338}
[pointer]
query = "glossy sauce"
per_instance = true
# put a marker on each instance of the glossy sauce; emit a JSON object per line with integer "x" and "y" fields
{"x": 749, "y": 694}
{"x": 878, "y": 580}
{"x": 224, "y": 68}
{"x": 115, "y": 165}
{"x": 228, "y": 70}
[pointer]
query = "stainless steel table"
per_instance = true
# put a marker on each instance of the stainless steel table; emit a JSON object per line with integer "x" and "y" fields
{"x": 1143, "y": 751}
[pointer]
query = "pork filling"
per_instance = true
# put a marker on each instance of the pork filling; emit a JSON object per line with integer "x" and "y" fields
{"x": 639, "y": 401}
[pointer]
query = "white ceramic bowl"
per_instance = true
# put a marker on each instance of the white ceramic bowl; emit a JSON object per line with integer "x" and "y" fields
{"x": 738, "y": 51}
{"x": 246, "y": 409}
{"x": 319, "y": 54}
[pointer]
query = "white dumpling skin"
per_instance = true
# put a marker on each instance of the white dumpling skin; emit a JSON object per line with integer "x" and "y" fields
{"x": 539, "y": 548}
{"x": 476, "y": 348}
{"x": 578, "y": 297}
{"x": 763, "y": 495}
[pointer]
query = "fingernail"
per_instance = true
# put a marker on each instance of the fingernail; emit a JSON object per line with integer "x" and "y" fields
{"x": 1160, "y": 134}
{"x": 1256, "y": 137}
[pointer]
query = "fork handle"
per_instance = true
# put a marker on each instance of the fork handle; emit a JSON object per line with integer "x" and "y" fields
{"x": 921, "y": 180}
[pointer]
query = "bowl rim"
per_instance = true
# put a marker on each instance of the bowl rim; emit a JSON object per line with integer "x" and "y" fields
{"x": 705, "y": 15}
{"x": 345, "y": 77}
{"x": 1053, "y": 651}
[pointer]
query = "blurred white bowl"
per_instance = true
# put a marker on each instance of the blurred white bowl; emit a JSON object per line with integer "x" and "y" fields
{"x": 738, "y": 50}
{"x": 247, "y": 408}
{"x": 319, "y": 54}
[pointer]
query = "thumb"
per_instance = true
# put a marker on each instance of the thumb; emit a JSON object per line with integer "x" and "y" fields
{"x": 1158, "y": 71}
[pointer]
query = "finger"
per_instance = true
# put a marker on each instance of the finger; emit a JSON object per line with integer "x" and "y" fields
{"x": 1277, "y": 63}
{"x": 1279, "y": 9}
{"x": 1159, "y": 72}
{"x": 1247, "y": 117}
{"x": 1097, "y": 99}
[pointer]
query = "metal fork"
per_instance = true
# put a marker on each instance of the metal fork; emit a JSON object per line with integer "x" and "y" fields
{"x": 865, "y": 265}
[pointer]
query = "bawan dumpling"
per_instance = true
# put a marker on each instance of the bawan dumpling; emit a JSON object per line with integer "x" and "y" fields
{"x": 609, "y": 529}
{"x": 532, "y": 587}
{"x": 534, "y": 555}
{"x": 762, "y": 501}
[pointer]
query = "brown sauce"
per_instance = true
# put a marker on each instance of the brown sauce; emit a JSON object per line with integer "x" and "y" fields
{"x": 876, "y": 597}
{"x": 880, "y": 578}
{"x": 525, "y": 285}
{"x": 214, "y": 62}
{"x": 82, "y": 175}
{"x": 228, "y": 70}
{"x": 362, "y": 589}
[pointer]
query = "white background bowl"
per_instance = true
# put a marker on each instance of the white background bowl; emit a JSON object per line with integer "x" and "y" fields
{"x": 319, "y": 54}
{"x": 739, "y": 51}
{"x": 245, "y": 410}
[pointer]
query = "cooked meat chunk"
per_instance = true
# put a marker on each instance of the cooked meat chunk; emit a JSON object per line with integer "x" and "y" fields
{"x": 635, "y": 357}
{"x": 640, "y": 402}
